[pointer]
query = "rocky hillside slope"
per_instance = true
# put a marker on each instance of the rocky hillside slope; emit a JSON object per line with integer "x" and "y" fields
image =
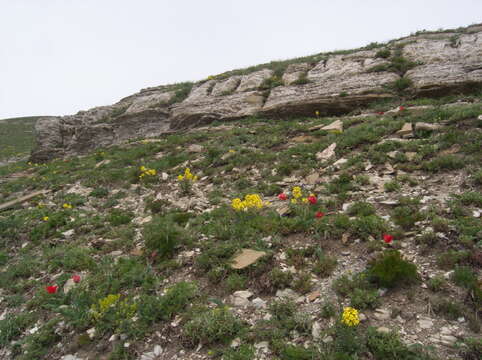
{"x": 341, "y": 237}
{"x": 336, "y": 83}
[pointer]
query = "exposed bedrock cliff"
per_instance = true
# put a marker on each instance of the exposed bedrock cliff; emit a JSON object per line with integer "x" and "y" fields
{"x": 426, "y": 64}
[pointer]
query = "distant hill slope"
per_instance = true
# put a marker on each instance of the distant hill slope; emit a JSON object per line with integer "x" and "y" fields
{"x": 16, "y": 137}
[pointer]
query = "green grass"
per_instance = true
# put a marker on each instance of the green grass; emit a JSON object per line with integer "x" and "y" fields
{"x": 16, "y": 137}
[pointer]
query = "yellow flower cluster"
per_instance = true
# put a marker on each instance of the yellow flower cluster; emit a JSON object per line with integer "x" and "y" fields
{"x": 123, "y": 309}
{"x": 251, "y": 201}
{"x": 104, "y": 304}
{"x": 350, "y": 317}
{"x": 45, "y": 218}
{"x": 147, "y": 172}
{"x": 67, "y": 206}
{"x": 187, "y": 176}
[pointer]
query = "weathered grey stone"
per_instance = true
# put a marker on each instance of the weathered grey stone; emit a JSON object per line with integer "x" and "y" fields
{"x": 210, "y": 108}
{"x": 226, "y": 87}
{"x": 147, "y": 102}
{"x": 294, "y": 72}
{"x": 254, "y": 80}
{"x": 336, "y": 85}
{"x": 339, "y": 75}
{"x": 444, "y": 67}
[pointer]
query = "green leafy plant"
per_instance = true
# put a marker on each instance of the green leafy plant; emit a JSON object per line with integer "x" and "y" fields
{"x": 391, "y": 270}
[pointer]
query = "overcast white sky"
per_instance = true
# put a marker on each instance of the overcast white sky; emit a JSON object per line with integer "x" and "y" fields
{"x": 61, "y": 56}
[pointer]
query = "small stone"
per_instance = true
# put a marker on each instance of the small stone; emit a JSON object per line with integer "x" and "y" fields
{"x": 427, "y": 126}
{"x": 68, "y": 233}
{"x": 113, "y": 337}
{"x": 383, "y": 330}
{"x": 313, "y": 296}
{"x": 91, "y": 333}
{"x": 461, "y": 319}
{"x": 335, "y": 127}
{"x": 382, "y": 314}
{"x": 447, "y": 340}
{"x": 69, "y": 284}
{"x": 286, "y": 293}
{"x": 405, "y": 130}
{"x": 312, "y": 179}
{"x": 316, "y": 330}
{"x": 410, "y": 155}
{"x": 362, "y": 317}
{"x": 235, "y": 343}
{"x": 327, "y": 153}
{"x": 246, "y": 258}
{"x": 327, "y": 339}
{"x": 245, "y": 294}
{"x": 195, "y": 148}
{"x": 263, "y": 346}
{"x": 303, "y": 139}
{"x": 340, "y": 162}
{"x": 70, "y": 357}
{"x": 425, "y": 323}
{"x": 345, "y": 253}
{"x": 259, "y": 303}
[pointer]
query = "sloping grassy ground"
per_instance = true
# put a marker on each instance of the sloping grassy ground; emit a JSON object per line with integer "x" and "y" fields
{"x": 16, "y": 137}
{"x": 151, "y": 255}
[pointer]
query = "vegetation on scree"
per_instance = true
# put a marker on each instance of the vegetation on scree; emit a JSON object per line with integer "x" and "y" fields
{"x": 141, "y": 238}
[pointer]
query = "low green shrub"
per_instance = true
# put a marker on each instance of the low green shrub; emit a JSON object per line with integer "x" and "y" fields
{"x": 162, "y": 236}
{"x": 391, "y": 270}
{"x": 218, "y": 325}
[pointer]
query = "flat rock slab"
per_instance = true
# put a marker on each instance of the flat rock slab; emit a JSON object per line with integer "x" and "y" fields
{"x": 327, "y": 153}
{"x": 22, "y": 199}
{"x": 405, "y": 130}
{"x": 334, "y": 127}
{"x": 246, "y": 257}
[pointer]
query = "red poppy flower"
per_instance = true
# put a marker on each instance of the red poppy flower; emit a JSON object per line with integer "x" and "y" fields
{"x": 76, "y": 278}
{"x": 387, "y": 238}
{"x": 380, "y": 113}
{"x": 319, "y": 214}
{"x": 282, "y": 196}
{"x": 52, "y": 289}
{"x": 312, "y": 199}
{"x": 401, "y": 108}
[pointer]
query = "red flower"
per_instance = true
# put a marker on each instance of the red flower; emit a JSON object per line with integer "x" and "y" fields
{"x": 52, "y": 289}
{"x": 76, "y": 278}
{"x": 312, "y": 199}
{"x": 282, "y": 196}
{"x": 401, "y": 108}
{"x": 380, "y": 113}
{"x": 319, "y": 214}
{"x": 387, "y": 238}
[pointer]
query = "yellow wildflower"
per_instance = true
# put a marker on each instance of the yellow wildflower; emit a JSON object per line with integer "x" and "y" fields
{"x": 317, "y": 113}
{"x": 350, "y": 317}
{"x": 251, "y": 201}
{"x": 305, "y": 200}
{"x": 297, "y": 193}
{"x": 67, "y": 206}
{"x": 45, "y": 218}
{"x": 294, "y": 201}
{"x": 187, "y": 176}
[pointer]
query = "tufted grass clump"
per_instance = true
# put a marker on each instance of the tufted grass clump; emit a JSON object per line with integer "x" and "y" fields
{"x": 390, "y": 270}
{"x": 162, "y": 236}
{"x": 407, "y": 213}
{"x": 218, "y": 325}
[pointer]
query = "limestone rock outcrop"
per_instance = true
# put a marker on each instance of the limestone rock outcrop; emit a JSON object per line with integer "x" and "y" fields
{"x": 441, "y": 63}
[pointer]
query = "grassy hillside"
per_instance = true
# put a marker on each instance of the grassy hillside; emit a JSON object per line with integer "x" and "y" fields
{"x": 131, "y": 256}
{"x": 16, "y": 137}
